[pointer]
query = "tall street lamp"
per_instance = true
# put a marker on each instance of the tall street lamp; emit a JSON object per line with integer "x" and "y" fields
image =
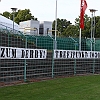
{"x": 14, "y": 10}
{"x": 92, "y": 24}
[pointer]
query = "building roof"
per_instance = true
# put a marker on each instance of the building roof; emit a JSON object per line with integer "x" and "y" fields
{"x": 5, "y": 22}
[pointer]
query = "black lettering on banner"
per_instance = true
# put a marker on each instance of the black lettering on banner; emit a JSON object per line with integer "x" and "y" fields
{"x": 83, "y": 55}
{"x": 31, "y": 53}
{"x": 92, "y": 54}
{"x": 71, "y": 54}
{"x": 74, "y": 54}
{"x": 13, "y": 53}
{"x": 41, "y": 53}
{"x": 23, "y": 54}
{"x": 44, "y": 54}
{"x": 64, "y": 54}
{"x": 79, "y": 54}
{"x": 8, "y": 52}
{"x": 86, "y": 54}
{"x": 96, "y": 55}
{"x": 2, "y": 52}
{"x": 36, "y": 53}
{"x": 68, "y": 54}
{"x": 60, "y": 54}
{"x": 56, "y": 54}
{"x": 27, "y": 51}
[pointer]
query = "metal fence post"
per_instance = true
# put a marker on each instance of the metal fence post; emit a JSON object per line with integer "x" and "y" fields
{"x": 75, "y": 58}
{"x": 75, "y": 61}
{"x": 8, "y": 40}
{"x": 35, "y": 39}
{"x": 94, "y": 58}
{"x": 52, "y": 55}
{"x": 53, "y": 59}
{"x": 25, "y": 61}
{"x": 93, "y": 42}
{"x": 36, "y": 42}
{"x": 55, "y": 44}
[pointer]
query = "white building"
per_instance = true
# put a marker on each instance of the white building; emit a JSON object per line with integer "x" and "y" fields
{"x": 8, "y": 24}
{"x": 45, "y": 28}
{"x": 33, "y": 27}
{"x": 30, "y": 27}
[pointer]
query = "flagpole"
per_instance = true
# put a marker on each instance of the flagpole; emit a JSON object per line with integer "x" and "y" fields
{"x": 82, "y": 11}
{"x": 56, "y": 25}
{"x": 55, "y": 20}
{"x": 80, "y": 40}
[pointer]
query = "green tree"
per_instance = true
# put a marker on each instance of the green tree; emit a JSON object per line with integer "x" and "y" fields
{"x": 20, "y": 15}
{"x": 72, "y": 31}
{"x": 24, "y": 15}
{"x": 97, "y": 27}
{"x": 16, "y": 19}
{"x": 87, "y": 25}
{"x": 62, "y": 24}
{"x": 86, "y": 32}
{"x": 6, "y": 14}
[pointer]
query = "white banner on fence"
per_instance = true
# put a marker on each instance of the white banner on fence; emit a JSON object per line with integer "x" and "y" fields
{"x": 22, "y": 53}
{"x": 73, "y": 54}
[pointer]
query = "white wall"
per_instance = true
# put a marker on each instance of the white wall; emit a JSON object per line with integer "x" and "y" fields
{"x": 35, "y": 24}
{"x": 23, "y": 25}
{"x": 7, "y": 23}
{"x": 30, "y": 27}
{"x": 46, "y": 25}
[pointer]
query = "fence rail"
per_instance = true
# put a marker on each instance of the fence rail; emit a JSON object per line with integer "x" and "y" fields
{"x": 12, "y": 70}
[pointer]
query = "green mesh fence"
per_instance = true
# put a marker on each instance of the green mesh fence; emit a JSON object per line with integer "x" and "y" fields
{"x": 12, "y": 70}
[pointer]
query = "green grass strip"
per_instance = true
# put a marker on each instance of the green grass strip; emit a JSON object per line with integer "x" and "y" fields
{"x": 70, "y": 88}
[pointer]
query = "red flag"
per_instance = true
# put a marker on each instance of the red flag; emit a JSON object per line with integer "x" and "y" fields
{"x": 82, "y": 12}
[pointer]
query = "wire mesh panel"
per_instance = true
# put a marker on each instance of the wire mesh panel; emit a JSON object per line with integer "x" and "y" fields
{"x": 69, "y": 66}
{"x": 12, "y": 70}
{"x": 63, "y": 67}
{"x": 40, "y": 68}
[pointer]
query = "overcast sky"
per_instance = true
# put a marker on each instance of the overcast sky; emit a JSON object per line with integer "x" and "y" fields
{"x": 44, "y": 10}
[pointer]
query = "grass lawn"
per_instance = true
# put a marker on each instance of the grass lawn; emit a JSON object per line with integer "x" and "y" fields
{"x": 70, "y": 88}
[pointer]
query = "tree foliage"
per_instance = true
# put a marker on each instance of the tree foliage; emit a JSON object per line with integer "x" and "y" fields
{"x": 87, "y": 26}
{"x": 6, "y": 14}
{"x": 62, "y": 24}
{"x": 71, "y": 30}
{"x": 97, "y": 27}
{"x": 20, "y": 15}
{"x": 86, "y": 32}
{"x": 67, "y": 29}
